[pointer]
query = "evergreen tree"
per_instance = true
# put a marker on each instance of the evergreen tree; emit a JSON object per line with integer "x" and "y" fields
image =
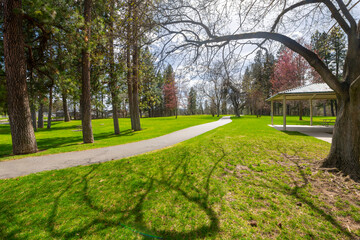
{"x": 192, "y": 101}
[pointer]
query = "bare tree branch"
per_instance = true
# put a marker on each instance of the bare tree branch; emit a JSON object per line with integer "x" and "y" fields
{"x": 310, "y": 56}
{"x": 347, "y": 14}
{"x": 329, "y": 5}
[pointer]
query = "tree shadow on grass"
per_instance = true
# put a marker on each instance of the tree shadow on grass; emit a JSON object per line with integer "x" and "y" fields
{"x": 59, "y": 142}
{"x": 131, "y": 216}
{"x": 5, "y": 129}
{"x": 299, "y": 185}
{"x": 7, "y": 216}
{"x": 293, "y": 133}
{"x": 6, "y": 150}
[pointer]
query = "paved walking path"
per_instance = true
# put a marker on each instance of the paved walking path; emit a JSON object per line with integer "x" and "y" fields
{"x": 320, "y": 132}
{"x": 25, "y": 166}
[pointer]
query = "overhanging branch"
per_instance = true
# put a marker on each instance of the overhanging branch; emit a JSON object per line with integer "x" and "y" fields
{"x": 310, "y": 56}
{"x": 334, "y": 12}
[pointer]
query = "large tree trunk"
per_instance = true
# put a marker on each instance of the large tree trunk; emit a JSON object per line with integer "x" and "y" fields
{"x": 41, "y": 115}
{"x": 129, "y": 78}
{"x": 86, "y": 95}
{"x": 112, "y": 82}
{"x": 135, "y": 114}
{"x": 50, "y": 106}
{"x": 129, "y": 83}
{"x": 300, "y": 111}
{"x": 65, "y": 108}
{"x": 345, "y": 148}
{"x": 74, "y": 111}
{"x": 33, "y": 116}
{"x": 22, "y": 132}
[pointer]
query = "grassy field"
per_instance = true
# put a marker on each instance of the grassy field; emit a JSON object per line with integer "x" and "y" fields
{"x": 244, "y": 180}
{"x": 294, "y": 120}
{"x": 66, "y": 137}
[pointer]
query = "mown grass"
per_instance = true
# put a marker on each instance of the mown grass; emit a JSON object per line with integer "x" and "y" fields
{"x": 244, "y": 180}
{"x": 67, "y": 136}
{"x": 294, "y": 120}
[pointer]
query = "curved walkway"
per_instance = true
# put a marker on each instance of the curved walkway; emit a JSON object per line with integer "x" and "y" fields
{"x": 25, "y": 166}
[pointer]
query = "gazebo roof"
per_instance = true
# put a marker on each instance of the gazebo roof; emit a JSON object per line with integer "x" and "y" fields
{"x": 315, "y": 91}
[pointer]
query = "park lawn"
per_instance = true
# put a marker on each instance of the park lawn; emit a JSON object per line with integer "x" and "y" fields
{"x": 244, "y": 180}
{"x": 67, "y": 136}
{"x": 294, "y": 120}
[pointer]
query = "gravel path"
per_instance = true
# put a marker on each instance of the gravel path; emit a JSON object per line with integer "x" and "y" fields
{"x": 25, "y": 166}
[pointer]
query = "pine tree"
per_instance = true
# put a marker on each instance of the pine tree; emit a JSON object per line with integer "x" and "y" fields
{"x": 192, "y": 101}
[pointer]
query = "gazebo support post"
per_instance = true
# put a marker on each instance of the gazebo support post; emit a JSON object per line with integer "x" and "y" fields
{"x": 284, "y": 113}
{"x": 272, "y": 112}
{"x": 311, "y": 112}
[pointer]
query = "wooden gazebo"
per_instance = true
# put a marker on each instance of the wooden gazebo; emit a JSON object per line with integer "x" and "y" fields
{"x": 315, "y": 91}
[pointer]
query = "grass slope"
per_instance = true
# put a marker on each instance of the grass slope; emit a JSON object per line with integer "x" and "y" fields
{"x": 244, "y": 180}
{"x": 67, "y": 137}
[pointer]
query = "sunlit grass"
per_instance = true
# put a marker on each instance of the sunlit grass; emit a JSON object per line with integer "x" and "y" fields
{"x": 66, "y": 137}
{"x": 244, "y": 180}
{"x": 294, "y": 120}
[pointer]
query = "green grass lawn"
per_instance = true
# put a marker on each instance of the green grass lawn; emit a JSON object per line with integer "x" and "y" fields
{"x": 66, "y": 137}
{"x": 294, "y": 120}
{"x": 244, "y": 180}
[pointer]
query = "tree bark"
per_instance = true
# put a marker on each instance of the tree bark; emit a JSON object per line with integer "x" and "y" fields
{"x": 33, "y": 116}
{"x": 112, "y": 82}
{"x": 129, "y": 82}
{"x": 129, "y": 77}
{"x": 74, "y": 109}
{"x": 135, "y": 114}
{"x": 22, "y": 131}
{"x": 345, "y": 148}
{"x": 65, "y": 108}
{"x": 41, "y": 115}
{"x": 86, "y": 95}
{"x": 50, "y": 106}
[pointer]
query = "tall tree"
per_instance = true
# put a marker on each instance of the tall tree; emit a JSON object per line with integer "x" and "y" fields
{"x": 170, "y": 92}
{"x": 338, "y": 49}
{"x": 135, "y": 65}
{"x": 112, "y": 75}
{"x": 132, "y": 60}
{"x": 22, "y": 132}
{"x": 192, "y": 101}
{"x": 85, "y": 95}
{"x": 150, "y": 84}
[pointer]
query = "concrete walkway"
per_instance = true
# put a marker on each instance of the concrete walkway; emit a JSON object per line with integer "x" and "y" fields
{"x": 25, "y": 166}
{"x": 320, "y": 132}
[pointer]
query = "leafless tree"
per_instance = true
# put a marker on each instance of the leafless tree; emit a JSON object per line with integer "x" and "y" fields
{"x": 202, "y": 25}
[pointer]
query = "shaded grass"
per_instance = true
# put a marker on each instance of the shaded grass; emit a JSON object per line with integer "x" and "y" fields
{"x": 67, "y": 137}
{"x": 244, "y": 180}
